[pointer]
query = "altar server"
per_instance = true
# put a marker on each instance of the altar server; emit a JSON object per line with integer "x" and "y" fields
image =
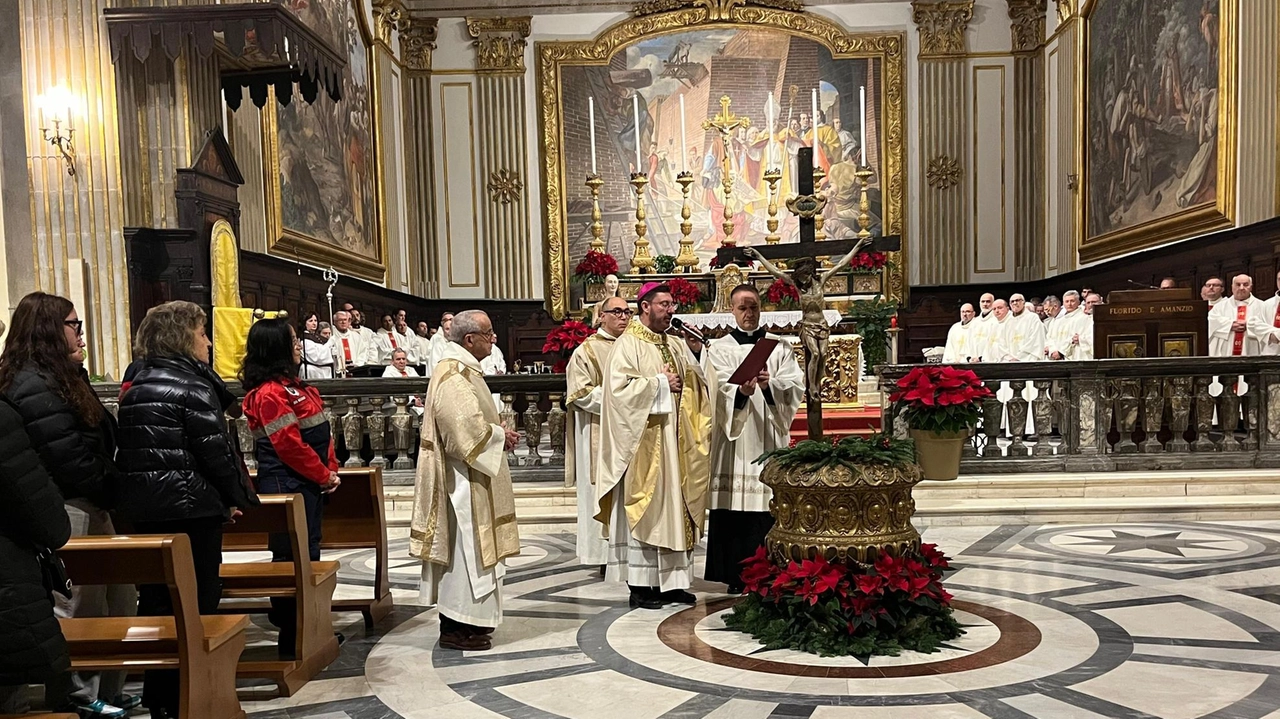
{"x": 584, "y": 379}
{"x": 654, "y": 470}
{"x": 1024, "y": 333}
{"x": 1071, "y": 334}
{"x": 464, "y": 515}
{"x": 1238, "y": 325}
{"x": 750, "y": 419}
{"x": 959, "y": 337}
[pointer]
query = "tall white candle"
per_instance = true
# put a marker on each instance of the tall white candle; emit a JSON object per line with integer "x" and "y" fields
{"x": 635, "y": 116}
{"x": 591, "y": 108}
{"x": 813, "y": 119}
{"x": 862, "y": 98}
{"x": 684, "y": 143}
{"x": 768, "y": 154}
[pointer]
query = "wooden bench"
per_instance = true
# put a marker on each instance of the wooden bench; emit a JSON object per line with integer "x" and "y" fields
{"x": 39, "y": 716}
{"x": 310, "y": 584}
{"x": 356, "y": 518}
{"x": 204, "y": 649}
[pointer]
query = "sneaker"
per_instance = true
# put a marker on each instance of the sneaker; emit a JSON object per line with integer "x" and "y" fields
{"x": 98, "y": 709}
{"x": 127, "y": 701}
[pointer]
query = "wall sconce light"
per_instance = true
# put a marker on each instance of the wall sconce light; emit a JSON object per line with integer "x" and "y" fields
{"x": 55, "y": 109}
{"x": 1073, "y": 182}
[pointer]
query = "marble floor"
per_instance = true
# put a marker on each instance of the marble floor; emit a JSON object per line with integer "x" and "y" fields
{"x": 1174, "y": 619}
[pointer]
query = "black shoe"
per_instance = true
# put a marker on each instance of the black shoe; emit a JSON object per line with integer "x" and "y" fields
{"x": 736, "y": 589}
{"x": 645, "y": 598}
{"x": 678, "y": 596}
{"x": 601, "y": 570}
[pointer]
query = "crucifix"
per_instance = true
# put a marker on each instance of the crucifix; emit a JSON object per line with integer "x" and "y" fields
{"x": 815, "y": 333}
{"x": 726, "y": 122}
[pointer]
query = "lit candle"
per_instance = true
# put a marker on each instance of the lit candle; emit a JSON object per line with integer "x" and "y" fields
{"x": 862, "y": 98}
{"x": 813, "y": 118}
{"x": 684, "y": 143}
{"x": 591, "y": 109}
{"x": 768, "y": 153}
{"x": 635, "y": 116}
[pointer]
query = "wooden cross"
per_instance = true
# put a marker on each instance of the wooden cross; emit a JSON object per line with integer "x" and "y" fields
{"x": 726, "y": 122}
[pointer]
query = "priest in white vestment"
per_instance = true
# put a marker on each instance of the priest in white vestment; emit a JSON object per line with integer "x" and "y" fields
{"x": 983, "y": 332}
{"x": 1071, "y": 334}
{"x": 396, "y": 337}
{"x": 654, "y": 467}
{"x": 998, "y": 348}
{"x": 350, "y": 346}
{"x": 1238, "y": 325}
{"x": 1024, "y": 333}
{"x": 399, "y": 367}
{"x": 439, "y": 341}
{"x": 1271, "y": 315}
{"x": 584, "y": 401}
{"x": 1213, "y": 291}
{"x": 959, "y": 337}
{"x": 370, "y": 338}
{"x": 495, "y": 364}
{"x": 750, "y": 419}
{"x": 464, "y": 514}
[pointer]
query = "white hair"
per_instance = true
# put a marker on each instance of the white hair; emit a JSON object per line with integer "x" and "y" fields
{"x": 1070, "y": 293}
{"x": 465, "y": 323}
{"x": 398, "y": 351}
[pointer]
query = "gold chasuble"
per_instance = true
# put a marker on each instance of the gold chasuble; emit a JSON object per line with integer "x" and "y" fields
{"x": 662, "y": 457}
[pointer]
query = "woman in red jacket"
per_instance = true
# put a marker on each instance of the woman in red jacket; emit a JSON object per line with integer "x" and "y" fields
{"x": 294, "y": 442}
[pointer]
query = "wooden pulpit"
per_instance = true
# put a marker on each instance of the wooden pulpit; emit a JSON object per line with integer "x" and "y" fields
{"x": 1151, "y": 323}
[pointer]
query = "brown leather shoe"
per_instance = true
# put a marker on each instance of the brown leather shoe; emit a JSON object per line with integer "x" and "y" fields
{"x": 466, "y": 642}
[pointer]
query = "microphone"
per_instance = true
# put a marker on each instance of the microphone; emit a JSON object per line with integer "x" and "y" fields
{"x": 1143, "y": 286}
{"x": 679, "y": 324}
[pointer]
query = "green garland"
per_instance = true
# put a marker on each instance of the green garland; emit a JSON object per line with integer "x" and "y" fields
{"x": 664, "y": 264}
{"x": 878, "y": 449}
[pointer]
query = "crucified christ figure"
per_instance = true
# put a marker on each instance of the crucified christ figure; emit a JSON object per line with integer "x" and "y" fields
{"x": 815, "y": 333}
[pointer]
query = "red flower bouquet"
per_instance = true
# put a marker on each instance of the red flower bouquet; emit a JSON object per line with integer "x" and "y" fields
{"x": 940, "y": 398}
{"x": 595, "y": 266}
{"x": 783, "y": 294}
{"x": 684, "y": 292}
{"x": 866, "y": 263}
{"x": 563, "y": 340}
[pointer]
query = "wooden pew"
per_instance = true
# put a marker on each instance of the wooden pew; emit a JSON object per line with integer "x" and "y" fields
{"x": 310, "y": 584}
{"x": 39, "y": 716}
{"x": 204, "y": 649}
{"x": 356, "y": 518}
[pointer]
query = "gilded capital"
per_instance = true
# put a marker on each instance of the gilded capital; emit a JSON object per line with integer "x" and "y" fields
{"x": 1067, "y": 9}
{"x": 417, "y": 40}
{"x": 388, "y": 16}
{"x": 1026, "y": 24}
{"x": 942, "y": 25}
{"x": 499, "y": 42}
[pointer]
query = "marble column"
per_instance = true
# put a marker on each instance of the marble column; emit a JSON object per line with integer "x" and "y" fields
{"x": 1027, "y": 20}
{"x": 945, "y": 246}
{"x": 417, "y": 41}
{"x": 500, "y": 70}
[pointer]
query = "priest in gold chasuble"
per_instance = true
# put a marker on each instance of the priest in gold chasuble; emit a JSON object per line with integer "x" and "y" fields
{"x": 654, "y": 466}
{"x": 464, "y": 515}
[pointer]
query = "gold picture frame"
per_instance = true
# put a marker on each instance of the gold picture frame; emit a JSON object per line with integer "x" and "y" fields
{"x": 1179, "y": 344}
{"x": 1127, "y": 346}
{"x": 1193, "y": 219}
{"x": 674, "y": 16}
{"x": 291, "y": 243}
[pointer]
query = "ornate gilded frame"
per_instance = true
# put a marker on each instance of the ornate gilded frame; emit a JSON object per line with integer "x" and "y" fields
{"x": 671, "y": 16}
{"x": 296, "y": 245}
{"x": 1190, "y": 221}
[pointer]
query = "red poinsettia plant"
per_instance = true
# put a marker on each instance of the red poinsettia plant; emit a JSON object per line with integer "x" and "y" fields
{"x": 684, "y": 292}
{"x": 835, "y": 608}
{"x": 563, "y": 340}
{"x": 940, "y": 398}
{"x": 783, "y": 294}
{"x": 865, "y": 263}
{"x": 595, "y": 266}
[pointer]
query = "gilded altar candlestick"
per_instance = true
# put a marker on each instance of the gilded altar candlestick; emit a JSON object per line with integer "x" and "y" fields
{"x": 686, "y": 260}
{"x": 864, "y": 204}
{"x": 818, "y": 176}
{"x": 594, "y": 183}
{"x": 726, "y": 123}
{"x": 641, "y": 261}
{"x": 772, "y": 177}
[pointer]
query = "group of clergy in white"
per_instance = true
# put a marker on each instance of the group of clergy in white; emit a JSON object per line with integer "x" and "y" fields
{"x": 346, "y": 346}
{"x": 1242, "y": 325}
{"x": 1011, "y": 331}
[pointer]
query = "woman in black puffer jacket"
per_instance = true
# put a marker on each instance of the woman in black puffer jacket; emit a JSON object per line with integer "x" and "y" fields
{"x": 179, "y": 470}
{"x": 31, "y": 519}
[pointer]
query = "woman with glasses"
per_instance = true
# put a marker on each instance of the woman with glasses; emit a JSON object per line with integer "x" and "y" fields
{"x": 294, "y": 443}
{"x": 42, "y": 374}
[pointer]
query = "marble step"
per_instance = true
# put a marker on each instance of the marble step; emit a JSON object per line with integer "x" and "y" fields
{"x": 1106, "y": 484}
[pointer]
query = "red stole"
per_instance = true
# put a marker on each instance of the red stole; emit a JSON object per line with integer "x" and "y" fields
{"x": 346, "y": 349}
{"x": 1237, "y": 344}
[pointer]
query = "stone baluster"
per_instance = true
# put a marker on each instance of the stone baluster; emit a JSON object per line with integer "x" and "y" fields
{"x": 1042, "y": 411}
{"x": 1228, "y": 415}
{"x": 1205, "y": 405}
{"x": 246, "y": 442}
{"x": 1017, "y": 419}
{"x": 334, "y": 425}
{"x": 1152, "y": 414}
{"x": 1177, "y": 392}
{"x": 402, "y": 433}
{"x": 555, "y": 426}
{"x": 510, "y": 421}
{"x": 992, "y": 411}
{"x": 1251, "y": 399}
{"x": 1084, "y": 430}
{"x": 377, "y": 422}
{"x": 353, "y": 432}
{"x": 1125, "y": 408}
{"x": 532, "y": 429}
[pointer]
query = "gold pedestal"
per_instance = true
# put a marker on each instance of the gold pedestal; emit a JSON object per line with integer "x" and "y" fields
{"x": 641, "y": 260}
{"x": 594, "y": 183}
{"x": 686, "y": 260}
{"x": 772, "y": 177}
{"x": 864, "y": 175}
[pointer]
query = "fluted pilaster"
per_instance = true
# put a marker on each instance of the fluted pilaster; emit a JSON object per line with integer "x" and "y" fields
{"x": 1027, "y": 20}
{"x": 417, "y": 41}
{"x": 1258, "y": 189}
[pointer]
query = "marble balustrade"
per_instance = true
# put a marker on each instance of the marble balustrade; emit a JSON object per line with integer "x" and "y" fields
{"x": 1123, "y": 415}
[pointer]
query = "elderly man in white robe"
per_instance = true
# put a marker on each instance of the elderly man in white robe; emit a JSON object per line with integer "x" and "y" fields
{"x": 397, "y": 337}
{"x": 439, "y": 341}
{"x": 1213, "y": 291}
{"x": 750, "y": 419}
{"x": 464, "y": 516}
{"x": 1238, "y": 325}
{"x": 350, "y": 346}
{"x": 1271, "y": 315}
{"x": 959, "y": 337}
{"x": 1071, "y": 334}
{"x": 1024, "y": 336}
{"x": 584, "y": 379}
{"x": 982, "y": 335}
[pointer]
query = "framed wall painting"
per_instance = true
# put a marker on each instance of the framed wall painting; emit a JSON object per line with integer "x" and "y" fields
{"x": 1159, "y": 122}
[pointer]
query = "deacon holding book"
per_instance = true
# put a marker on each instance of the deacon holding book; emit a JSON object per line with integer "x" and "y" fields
{"x": 752, "y": 416}
{"x": 654, "y": 468}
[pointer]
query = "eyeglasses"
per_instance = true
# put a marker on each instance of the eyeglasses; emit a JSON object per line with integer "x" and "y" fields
{"x": 77, "y": 325}
{"x": 619, "y": 312}
{"x": 490, "y": 335}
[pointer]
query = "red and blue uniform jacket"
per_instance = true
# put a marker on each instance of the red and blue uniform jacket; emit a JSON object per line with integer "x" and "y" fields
{"x": 292, "y": 435}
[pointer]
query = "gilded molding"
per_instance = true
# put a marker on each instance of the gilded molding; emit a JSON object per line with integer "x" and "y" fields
{"x": 389, "y": 17}
{"x": 942, "y": 25}
{"x": 717, "y": 10}
{"x": 1067, "y": 9}
{"x": 1026, "y": 24}
{"x": 552, "y": 56}
{"x": 505, "y": 186}
{"x": 943, "y": 172}
{"x": 499, "y": 42}
{"x": 417, "y": 40}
